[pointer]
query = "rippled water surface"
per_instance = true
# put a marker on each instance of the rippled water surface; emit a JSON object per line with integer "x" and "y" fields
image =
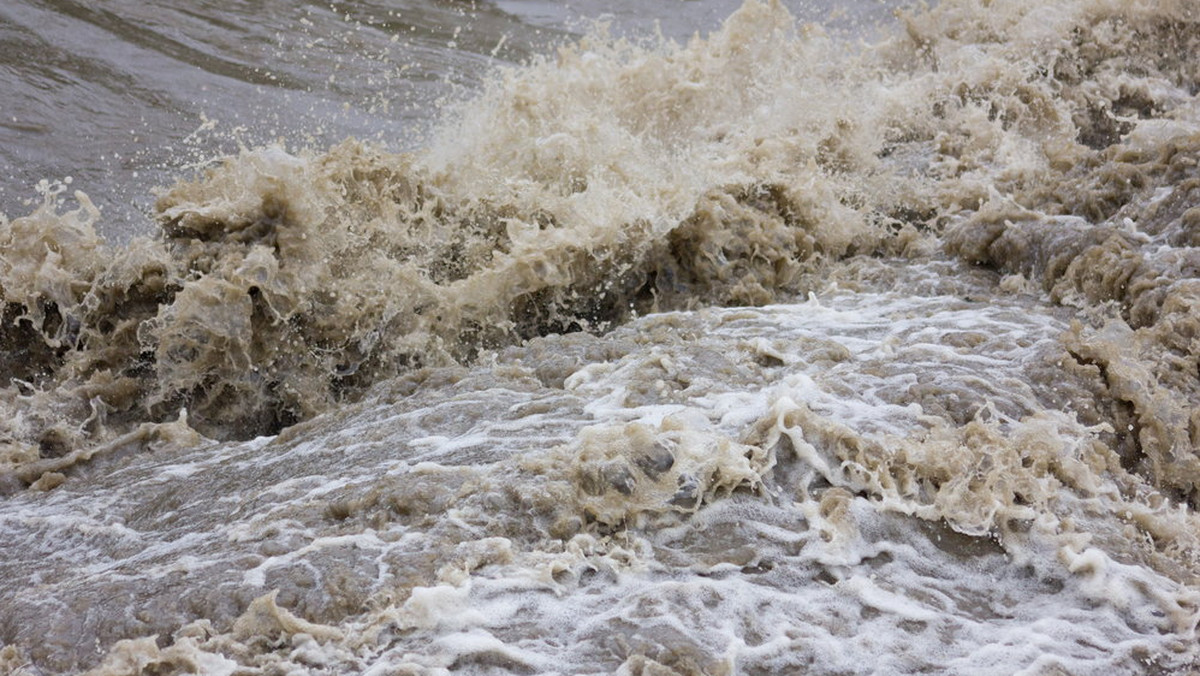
{"x": 126, "y": 96}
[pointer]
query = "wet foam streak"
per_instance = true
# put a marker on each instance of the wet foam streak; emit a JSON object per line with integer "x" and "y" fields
{"x": 646, "y": 503}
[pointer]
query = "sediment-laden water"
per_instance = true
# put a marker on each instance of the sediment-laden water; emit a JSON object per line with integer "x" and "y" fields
{"x": 795, "y": 346}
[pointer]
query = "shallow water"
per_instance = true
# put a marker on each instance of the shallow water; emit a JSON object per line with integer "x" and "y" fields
{"x": 807, "y": 345}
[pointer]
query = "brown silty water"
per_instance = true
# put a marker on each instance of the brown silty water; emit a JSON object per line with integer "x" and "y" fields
{"x": 759, "y": 353}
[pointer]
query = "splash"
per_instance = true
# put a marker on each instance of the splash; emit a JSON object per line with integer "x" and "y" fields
{"x": 617, "y": 179}
{"x": 998, "y": 196}
{"x": 282, "y": 284}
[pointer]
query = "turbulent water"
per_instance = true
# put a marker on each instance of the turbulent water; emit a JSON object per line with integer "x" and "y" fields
{"x": 800, "y": 345}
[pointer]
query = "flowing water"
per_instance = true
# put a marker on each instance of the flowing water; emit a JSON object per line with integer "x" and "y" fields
{"x": 639, "y": 338}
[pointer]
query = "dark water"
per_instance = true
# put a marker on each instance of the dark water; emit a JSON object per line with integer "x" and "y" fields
{"x": 123, "y": 96}
{"x": 126, "y": 96}
{"x": 490, "y": 338}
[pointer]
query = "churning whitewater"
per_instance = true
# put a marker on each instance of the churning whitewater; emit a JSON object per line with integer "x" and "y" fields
{"x": 773, "y": 351}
